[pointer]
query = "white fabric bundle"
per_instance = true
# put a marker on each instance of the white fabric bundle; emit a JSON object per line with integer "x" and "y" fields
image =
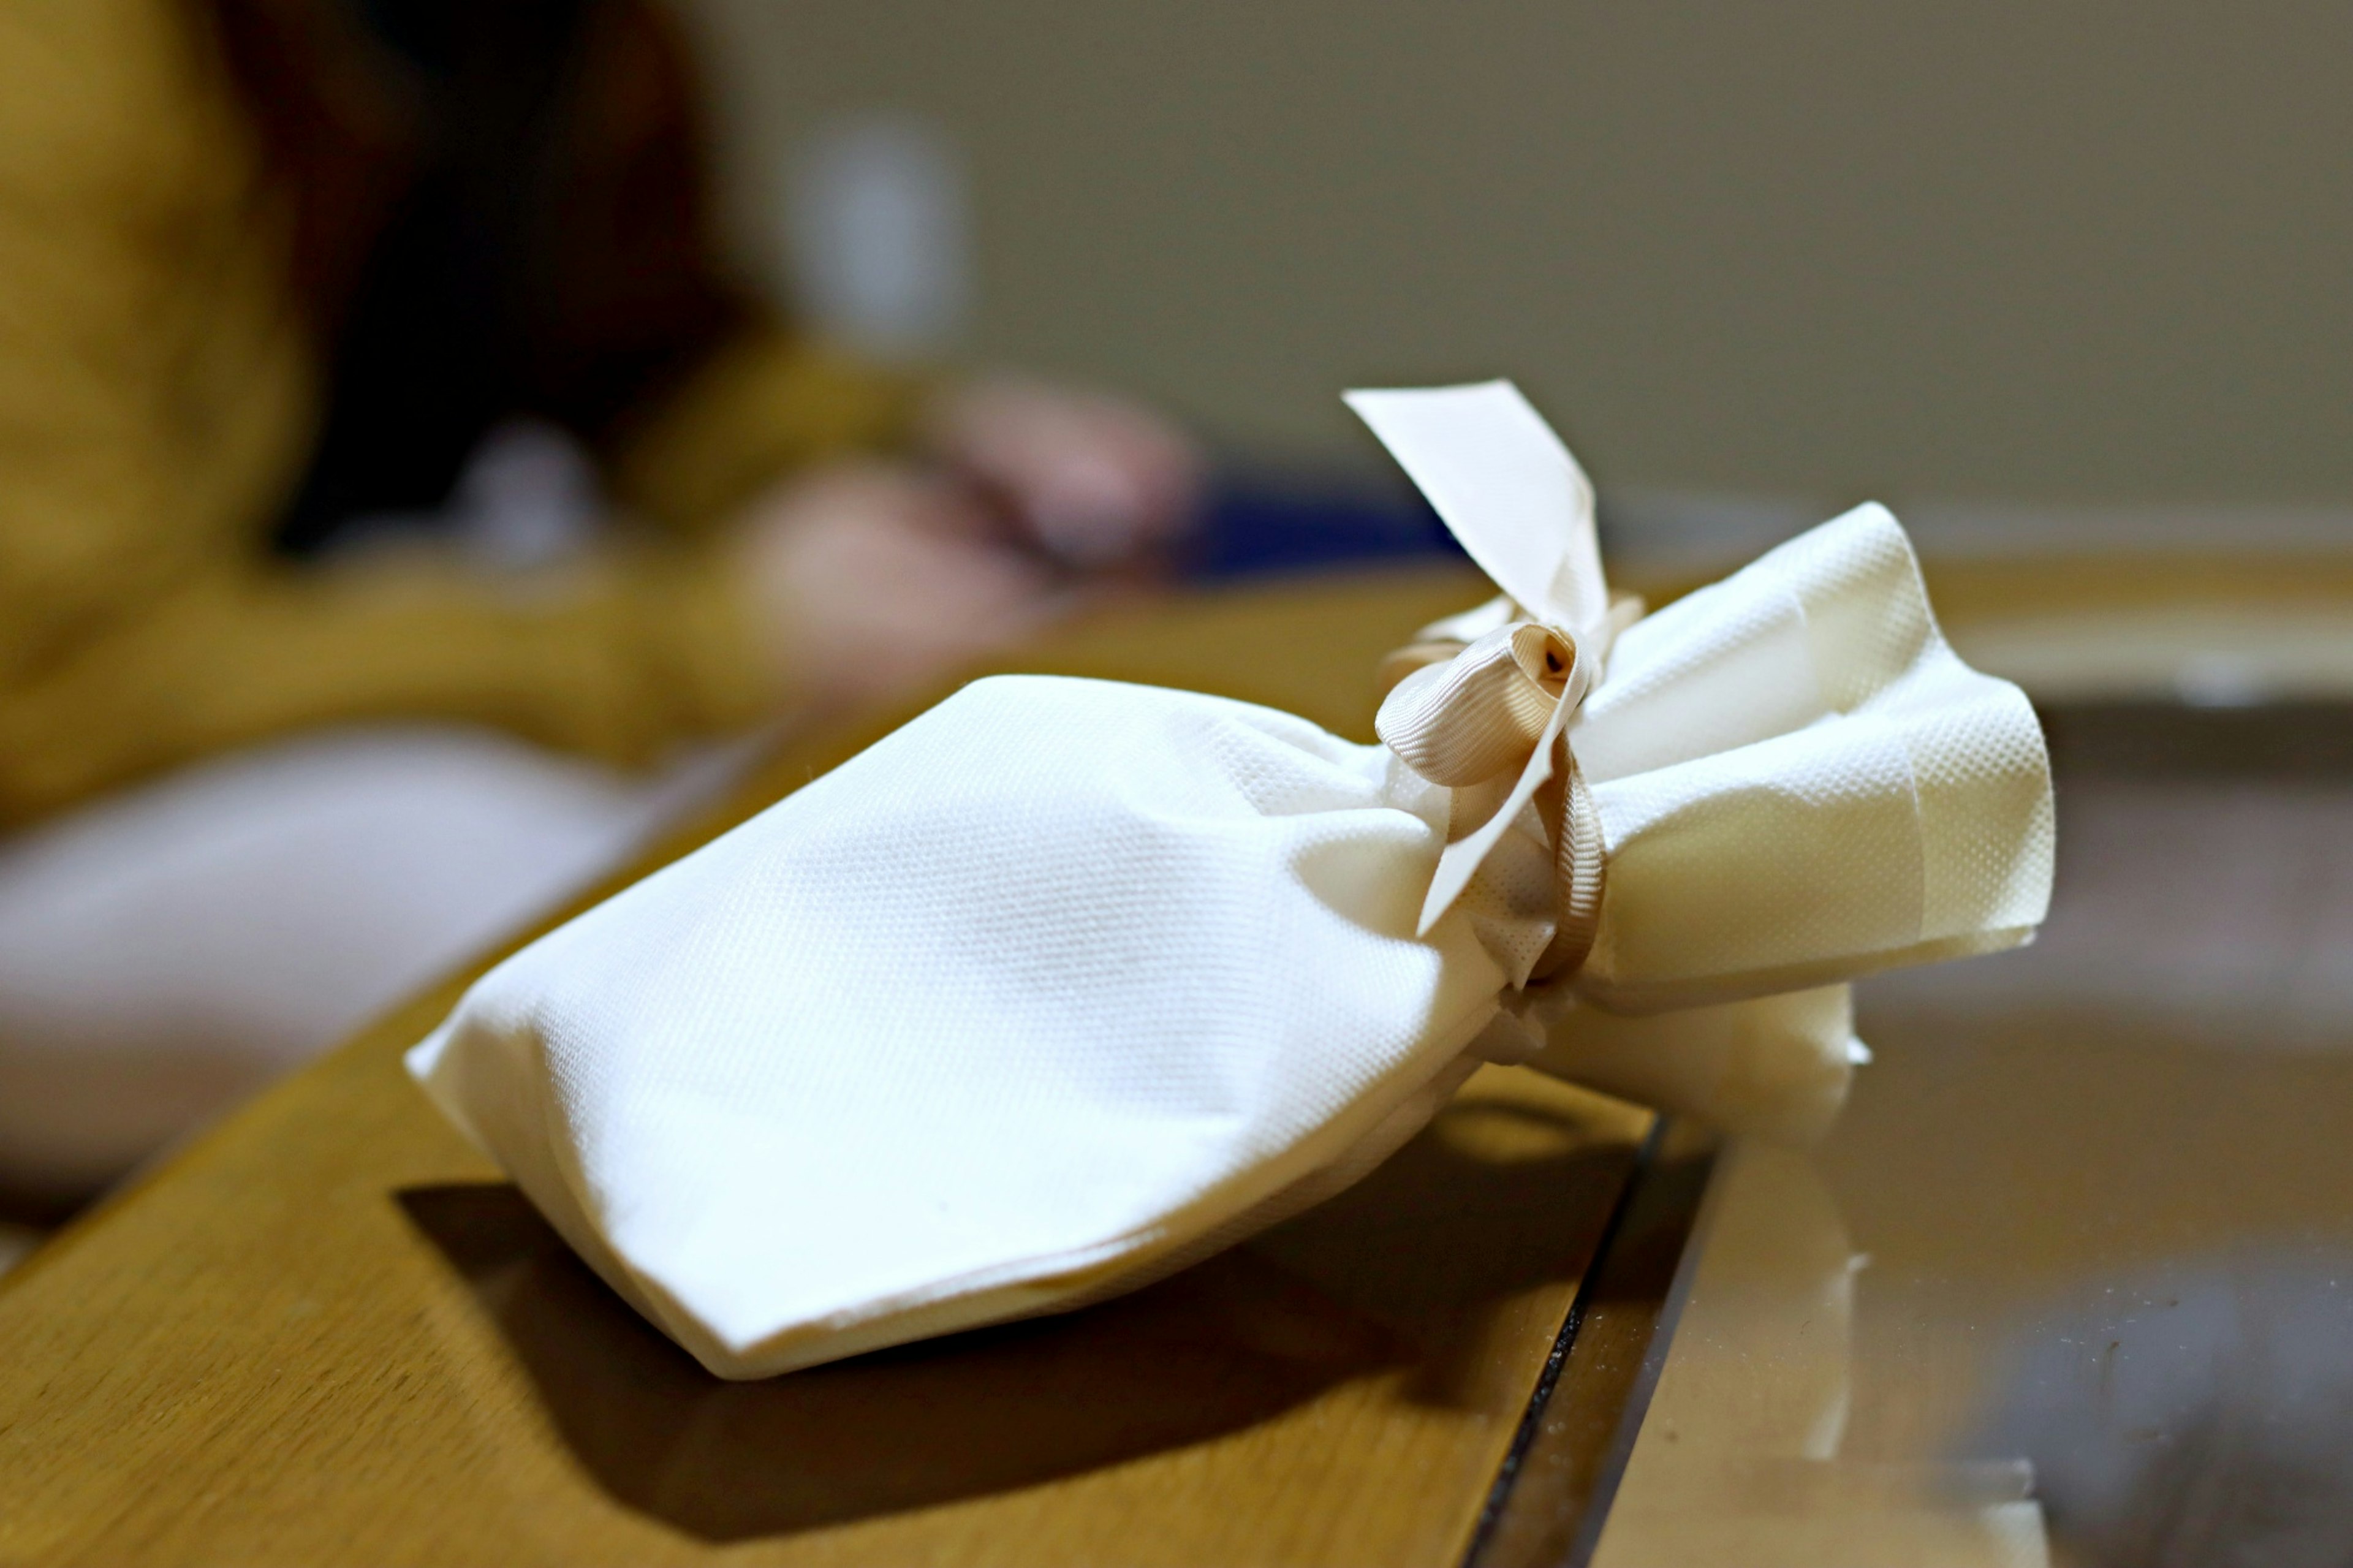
{"x": 1069, "y": 983}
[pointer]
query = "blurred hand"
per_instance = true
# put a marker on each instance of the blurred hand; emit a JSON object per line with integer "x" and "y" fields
{"x": 1092, "y": 480}
{"x": 870, "y": 581}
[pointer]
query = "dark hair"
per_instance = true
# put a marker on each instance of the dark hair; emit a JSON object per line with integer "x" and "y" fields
{"x": 498, "y": 208}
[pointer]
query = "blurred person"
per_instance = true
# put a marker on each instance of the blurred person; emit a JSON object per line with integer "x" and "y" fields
{"x": 393, "y": 489}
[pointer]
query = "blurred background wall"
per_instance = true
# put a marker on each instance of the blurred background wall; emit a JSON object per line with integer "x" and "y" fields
{"x": 2004, "y": 252}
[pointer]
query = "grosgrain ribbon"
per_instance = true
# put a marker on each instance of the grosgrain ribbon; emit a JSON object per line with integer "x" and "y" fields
{"x": 1499, "y": 689}
{"x": 1488, "y": 720}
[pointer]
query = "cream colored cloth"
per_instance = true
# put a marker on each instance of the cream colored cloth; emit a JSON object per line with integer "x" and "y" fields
{"x": 1068, "y": 983}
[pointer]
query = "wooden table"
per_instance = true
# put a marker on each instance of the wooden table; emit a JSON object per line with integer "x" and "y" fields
{"x": 2083, "y": 1227}
{"x": 327, "y": 1331}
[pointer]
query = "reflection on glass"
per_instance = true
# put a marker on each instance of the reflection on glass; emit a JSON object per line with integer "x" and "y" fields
{"x": 1741, "y": 1457}
{"x": 2197, "y": 1413}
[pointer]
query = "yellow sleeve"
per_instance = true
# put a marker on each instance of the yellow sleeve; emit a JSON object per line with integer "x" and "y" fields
{"x": 157, "y": 397}
{"x": 767, "y": 402}
{"x": 615, "y": 659}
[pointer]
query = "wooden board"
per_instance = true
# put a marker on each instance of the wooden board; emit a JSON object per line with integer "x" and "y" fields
{"x": 328, "y": 1332}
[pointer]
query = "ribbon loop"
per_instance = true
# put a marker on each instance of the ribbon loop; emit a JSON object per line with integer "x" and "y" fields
{"x": 1477, "y": 715}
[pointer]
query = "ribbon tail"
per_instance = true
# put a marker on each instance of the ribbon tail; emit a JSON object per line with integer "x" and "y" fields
{"x": 1461, "y": 861}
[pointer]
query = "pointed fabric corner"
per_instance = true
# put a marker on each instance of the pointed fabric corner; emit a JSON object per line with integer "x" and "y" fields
{"x": 1506, "y": 489}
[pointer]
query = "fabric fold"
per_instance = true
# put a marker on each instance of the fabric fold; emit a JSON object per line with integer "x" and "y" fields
{"x": 1800, "y": 782}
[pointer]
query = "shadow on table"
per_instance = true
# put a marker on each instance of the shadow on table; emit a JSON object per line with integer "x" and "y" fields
{"x": 1400, "y": 1277}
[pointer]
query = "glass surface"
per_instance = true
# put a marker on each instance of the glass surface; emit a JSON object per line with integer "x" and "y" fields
{"x": 2073, "y": 1280}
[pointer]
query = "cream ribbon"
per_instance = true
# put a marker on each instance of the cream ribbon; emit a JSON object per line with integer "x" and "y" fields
{"x": 1471, "y": 716}
{"x": 1482, "y": 704}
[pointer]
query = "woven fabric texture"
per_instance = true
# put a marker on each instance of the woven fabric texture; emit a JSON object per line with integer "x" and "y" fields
{"x": 1800, "y": 782}
{"x": 1056, "y": 979}
{"x": 1067, "y": 982}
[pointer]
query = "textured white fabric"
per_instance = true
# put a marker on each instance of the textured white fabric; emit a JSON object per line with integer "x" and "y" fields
{"x": 1068, "y": 982}
{"x": 1507, "y": 488}
{"x": 1054, "y": 980}
{"x": 1775, "y": 1068}
{"x": 1800, "y": 782}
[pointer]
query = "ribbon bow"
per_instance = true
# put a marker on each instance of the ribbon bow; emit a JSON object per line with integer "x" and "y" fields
{"x": 1483, "y": 703}
{"x": 1489, "y": 718}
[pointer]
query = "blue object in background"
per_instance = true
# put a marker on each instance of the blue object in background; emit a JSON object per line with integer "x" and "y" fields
{"x": 1255, "y": 525}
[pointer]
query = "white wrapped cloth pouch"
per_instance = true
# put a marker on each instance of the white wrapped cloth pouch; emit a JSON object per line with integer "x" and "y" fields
{"x": 1069, "y": 983}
